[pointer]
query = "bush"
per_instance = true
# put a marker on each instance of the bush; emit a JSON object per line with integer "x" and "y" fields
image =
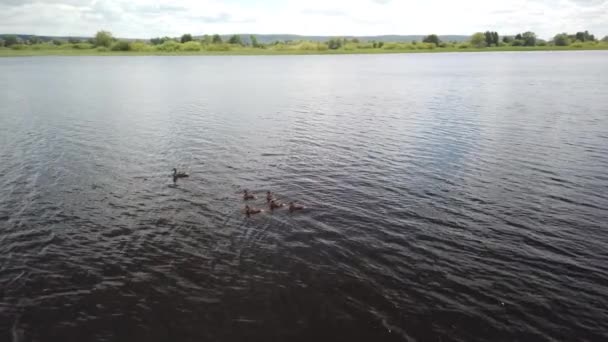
{"x": 47, "y": 46}
{"x": 19, "y": 47}
{"x": 121, "y": 46}
{"x": 236, "y": 40}
{"x": 218, "y": 47}
{"x": 577, "y": 45}
{"x": 82, "y": 46}
{"x": 159, "y": 40}
{"x": 169, "y": 46}
{"x": 350, "y": 46}
{"x": 102, "y": 49}
{"x": 478, "y": 40}
{"x": 139, "y": 46}
{"x": 307, "y": 46}
{"x": 334, "y": 43}
{"x": 34, "y": 40}
{"x": 280, "y": 47}
{"x": 191, "y": 46}
{"x": 63, "y": 47}
{"x": 425, "y": 46}
{"x": 464, "y": 46}
{"x": 390, "y": 46}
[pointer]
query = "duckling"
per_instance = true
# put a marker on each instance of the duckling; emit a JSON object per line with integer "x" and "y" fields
{"x": 251, "y": 211}
{"x": 293, "y": 207}
{"x": 247, "y": 195}
{"x": 275, "y": 205}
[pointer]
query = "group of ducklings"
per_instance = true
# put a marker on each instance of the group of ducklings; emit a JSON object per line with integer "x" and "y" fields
{"x": 272, "y": 203}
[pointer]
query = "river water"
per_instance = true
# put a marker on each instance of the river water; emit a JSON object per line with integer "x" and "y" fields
{"x": 450, "y": 197}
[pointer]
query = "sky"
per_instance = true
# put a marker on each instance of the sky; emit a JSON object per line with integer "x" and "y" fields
{"x": 151, "y": 18}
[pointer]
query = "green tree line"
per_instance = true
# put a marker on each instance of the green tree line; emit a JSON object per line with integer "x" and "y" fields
{"x": 104, "y": 40}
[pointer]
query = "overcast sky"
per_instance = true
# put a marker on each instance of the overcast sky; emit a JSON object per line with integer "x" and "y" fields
{"x": 149, "y": 18}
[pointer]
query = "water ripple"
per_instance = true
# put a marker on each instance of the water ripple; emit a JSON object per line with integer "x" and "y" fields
{"x": 444, "y": 203}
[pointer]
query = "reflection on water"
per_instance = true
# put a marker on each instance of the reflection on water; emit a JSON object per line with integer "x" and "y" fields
{"x": 451, "y": 197}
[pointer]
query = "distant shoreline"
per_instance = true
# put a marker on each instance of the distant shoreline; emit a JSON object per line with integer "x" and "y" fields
{"x": 8, "y": 52}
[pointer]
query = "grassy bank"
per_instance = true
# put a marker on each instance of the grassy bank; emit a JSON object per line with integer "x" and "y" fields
{"x": 7, "y": 52}
{"x": 104, "y": 44}
{"x": 306, "y": 48}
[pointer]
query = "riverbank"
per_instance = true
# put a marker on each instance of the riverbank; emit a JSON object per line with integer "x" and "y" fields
{"x": 249, "y": 51}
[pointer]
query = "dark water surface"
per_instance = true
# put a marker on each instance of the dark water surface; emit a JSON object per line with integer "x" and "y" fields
{"x": 452, "y": 197}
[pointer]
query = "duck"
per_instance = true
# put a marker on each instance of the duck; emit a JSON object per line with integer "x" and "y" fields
{"x": 293, "y": 207}
{"x": 177, "y": 175}
{"x": 252, "y": 211}
{"x": 275, "y": 205}
{"x": 247, "y": 195}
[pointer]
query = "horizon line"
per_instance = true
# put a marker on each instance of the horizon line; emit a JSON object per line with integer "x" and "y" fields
{"x": 270, "y": 34}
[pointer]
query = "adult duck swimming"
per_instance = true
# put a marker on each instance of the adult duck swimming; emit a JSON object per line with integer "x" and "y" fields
{"x": 178, "y": 175}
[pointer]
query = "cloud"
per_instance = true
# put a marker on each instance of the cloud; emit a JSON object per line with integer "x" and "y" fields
{"x": 158, "y": 9}
{"x": 58, "y": 2}
{"x": 589, "y": 3}
{"x": 220, "y": 18}
{"x": 149, "y": 18}
{"x": 325, "y": 12}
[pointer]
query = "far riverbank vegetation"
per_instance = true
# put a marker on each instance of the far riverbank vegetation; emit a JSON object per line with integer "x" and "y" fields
{"x": 104, "y": 42}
